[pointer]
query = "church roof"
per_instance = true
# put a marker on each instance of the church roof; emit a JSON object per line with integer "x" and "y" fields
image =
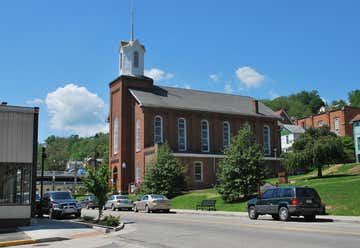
{"x": 195, "y": 100}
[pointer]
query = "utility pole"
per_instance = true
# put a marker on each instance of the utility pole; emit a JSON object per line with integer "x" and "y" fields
{"x": 43, "y": 157}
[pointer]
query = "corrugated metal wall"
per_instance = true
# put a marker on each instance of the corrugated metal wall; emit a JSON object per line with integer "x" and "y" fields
{"x": 16, "y": 136}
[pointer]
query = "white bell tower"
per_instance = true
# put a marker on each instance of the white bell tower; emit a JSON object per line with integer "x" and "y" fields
{"x": 131, "y": 54}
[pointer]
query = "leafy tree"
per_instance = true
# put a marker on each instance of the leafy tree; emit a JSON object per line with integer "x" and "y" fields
{"x": 354, "y": 98}
{"x": 96, "y": 181}
{"x": 241, "y": 170}
{"x": 297, "y": 105}
{"x": 349, "y": 149}
{"x": 338, "y": 104}
{"x": 165, "y": 175}
{"x": 315, "y": 148}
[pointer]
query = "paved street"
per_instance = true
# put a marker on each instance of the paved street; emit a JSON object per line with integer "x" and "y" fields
{"x": 188, "y": 230}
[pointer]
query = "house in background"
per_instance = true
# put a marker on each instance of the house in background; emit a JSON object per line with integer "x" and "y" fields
{"x": 289, "y": 133}
{"x": 197, "y": 125}
{"x": 18, "y": 160}
{"x": 284, "y": 117}
{"x": 338, "y": 120}
{"x": 356, "y": 130}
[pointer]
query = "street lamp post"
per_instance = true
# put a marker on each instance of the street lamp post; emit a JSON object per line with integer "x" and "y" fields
{"x": 43, "y": 157}
{"x": 123, "y": 166}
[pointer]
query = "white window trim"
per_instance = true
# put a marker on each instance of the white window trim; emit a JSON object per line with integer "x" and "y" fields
{"x": 202, "y": 171}
{"x": 161, "y": 125}
{"x": 267, "y": 126}
{"x": 138, "y": 135}
{"x": 116, "y": 136}
{"x": 185, "y": 134}
{"x": 208, "y": 136}
{"x": 228, "y": 135}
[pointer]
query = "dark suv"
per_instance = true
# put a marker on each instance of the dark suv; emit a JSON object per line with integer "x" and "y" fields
{"x": 284, "y": 202}
{"x": 58, "y": 204}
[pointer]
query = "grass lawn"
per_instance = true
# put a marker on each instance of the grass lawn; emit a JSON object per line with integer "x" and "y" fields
{"x": 339, "y": 189}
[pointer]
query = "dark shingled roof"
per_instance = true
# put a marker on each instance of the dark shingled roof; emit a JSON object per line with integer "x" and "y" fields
{"x": 186, "y": 99}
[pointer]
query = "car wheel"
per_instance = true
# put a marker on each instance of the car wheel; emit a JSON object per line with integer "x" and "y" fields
{"x": 310, "y": 217}
{"x": 167, "y": 211}
{"x": 135, "y": 209}
{"x": 252, "y": 213}
{"x": 275, "y": 217}
{"x": 113, "y": 207}
{"x": 78, "y": 215}
{"x": 284, "y": 214}
{"x": 147, "y": 210}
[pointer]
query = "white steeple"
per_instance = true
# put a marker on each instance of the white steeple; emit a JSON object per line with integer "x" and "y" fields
{"x": 131, "y": 54}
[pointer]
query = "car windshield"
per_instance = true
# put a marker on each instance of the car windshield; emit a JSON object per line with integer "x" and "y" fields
{"x": 92, "y": 197}
{"x": 306, "y": 192}
{"x": 122, "y": 197}
{"x": 160, "y": 197}
{"x": 61, "y": 195}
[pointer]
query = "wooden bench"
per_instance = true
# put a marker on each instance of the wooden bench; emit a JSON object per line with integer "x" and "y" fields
{"x": 206, "y": 204}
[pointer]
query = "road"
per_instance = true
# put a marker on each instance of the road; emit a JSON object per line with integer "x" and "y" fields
{"x": 188, "y": 230}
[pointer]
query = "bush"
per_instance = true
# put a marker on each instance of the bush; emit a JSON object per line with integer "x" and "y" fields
{"x": 165, "y": 175}
{"x": 110, "y": 220}
{"x": 241, "y": 170}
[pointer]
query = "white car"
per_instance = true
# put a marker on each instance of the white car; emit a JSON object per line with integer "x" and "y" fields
{"x": 118, "y": 202}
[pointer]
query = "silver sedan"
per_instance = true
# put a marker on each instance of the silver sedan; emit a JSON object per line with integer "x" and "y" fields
{"x": 118, "y": 202}
{"x": 150, "y": 203}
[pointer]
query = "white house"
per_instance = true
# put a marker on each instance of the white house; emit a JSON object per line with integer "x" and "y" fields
{"x": 289, "y": 133}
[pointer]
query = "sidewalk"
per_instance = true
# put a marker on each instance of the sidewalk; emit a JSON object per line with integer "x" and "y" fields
{"x": 346, "y": 219}
{"x": 45, "y": 230}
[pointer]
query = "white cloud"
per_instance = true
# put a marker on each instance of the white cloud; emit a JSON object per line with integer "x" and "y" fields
{"x": 249, "y": 77}
{"x": 74, "y": 109}
{"x": 187, "y": 86}
{"x": 214, "y": 77}
{"x": 273, "y": 94}
{"x": 158, "y": 75}
{"x": 228, "y": 88}
{"x": 35, "y": 102}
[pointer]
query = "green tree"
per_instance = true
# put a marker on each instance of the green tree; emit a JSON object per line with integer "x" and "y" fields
{"x": 338, "y": 104}
{"x": 349, "y": 149}
{"x": 314, "y": 149}
{"x": 96, "y": 181}
{"x": 165, "y": 175}
{"x": 297, "y": 105}
{"x": 354, "y": 98}
{"x": 241, "y": 170}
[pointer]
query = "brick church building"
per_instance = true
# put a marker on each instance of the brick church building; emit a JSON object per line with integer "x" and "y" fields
{"x": 198, "y": 125}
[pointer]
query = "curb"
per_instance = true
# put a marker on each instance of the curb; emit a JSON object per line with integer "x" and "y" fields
{"x": 30, "y": 241}
{"x": 333, "y": 218}
{"x": 107, "y": 228}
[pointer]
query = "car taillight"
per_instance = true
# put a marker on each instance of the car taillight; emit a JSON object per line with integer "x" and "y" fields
{"x": 295, "y": 201}
{"x": 118, "y": 201}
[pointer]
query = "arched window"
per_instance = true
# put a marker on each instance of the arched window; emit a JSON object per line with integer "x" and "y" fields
{"x": 205, "y": 144}
{"x": 136, "y": 59}
{"x": 137, "y": 138}
{"x": 182, "y": 134}
{"x": 198, "y": 171}
{"x": 226, "y": 134}
{"x": 158, "y": 130}
{"x": 267, "y": 146}
{"x": 116, "y": 135}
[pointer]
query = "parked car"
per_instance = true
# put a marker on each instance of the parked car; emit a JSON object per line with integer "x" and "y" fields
{"x": 58, "y": 204}
{"x": 89, "y": 201}
{"x": 119, "y": 202}
{"x": 284, "y": 202}
{"x": 150, "y": 203}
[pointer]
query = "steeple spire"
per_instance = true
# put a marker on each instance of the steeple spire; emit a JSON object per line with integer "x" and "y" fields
{"x": 132, "y": 21}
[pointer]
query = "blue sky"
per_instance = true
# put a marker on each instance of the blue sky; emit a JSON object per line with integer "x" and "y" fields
{"x": 58, "y": 52}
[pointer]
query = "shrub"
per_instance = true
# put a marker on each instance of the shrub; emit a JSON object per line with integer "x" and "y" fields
{"x": 110, "y": 220}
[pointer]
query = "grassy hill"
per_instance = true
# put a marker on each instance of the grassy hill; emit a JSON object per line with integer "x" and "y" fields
{"x": 339, "y": 189}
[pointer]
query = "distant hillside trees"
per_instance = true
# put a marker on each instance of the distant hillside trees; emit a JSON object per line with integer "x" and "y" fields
{"x": 59, "y": 150}
{"x": 297, "y": 105}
